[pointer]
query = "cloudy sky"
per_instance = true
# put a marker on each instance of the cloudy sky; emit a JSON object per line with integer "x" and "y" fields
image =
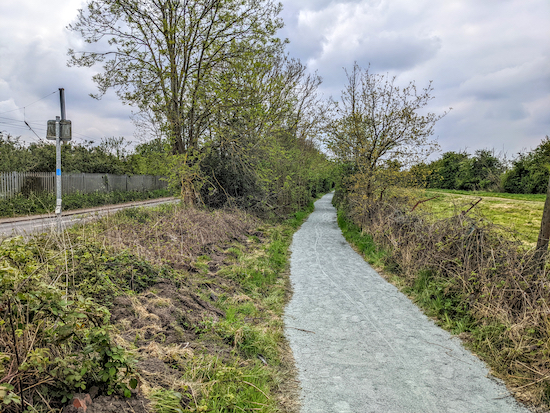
{"x": 489, "y": 60}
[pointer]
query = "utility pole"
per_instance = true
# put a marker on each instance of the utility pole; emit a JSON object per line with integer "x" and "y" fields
{"x": 58, "y": 205}
{"x": 58, "y": 172}
{"x": 59, "y": 130}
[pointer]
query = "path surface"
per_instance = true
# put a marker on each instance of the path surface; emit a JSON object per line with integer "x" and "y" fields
{"x": 44, "y": 223}
{"x": 367, "y": 348}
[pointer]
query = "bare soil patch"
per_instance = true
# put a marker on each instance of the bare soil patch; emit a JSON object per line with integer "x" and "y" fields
{"x": 113, "y": 404}
{"x": 172, "y": 323}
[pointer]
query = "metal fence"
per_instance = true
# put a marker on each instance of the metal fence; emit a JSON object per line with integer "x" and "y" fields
{"x": 25, "y": 183}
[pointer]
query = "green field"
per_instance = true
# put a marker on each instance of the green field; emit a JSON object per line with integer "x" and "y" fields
{"x": 518, "y": 215}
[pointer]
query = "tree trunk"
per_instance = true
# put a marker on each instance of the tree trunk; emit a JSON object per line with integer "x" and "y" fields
{"x": 188, "y": 194}
{"x": 544, "y": 234}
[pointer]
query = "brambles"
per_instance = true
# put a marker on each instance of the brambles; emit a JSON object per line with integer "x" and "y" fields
{"x": 178, "y": 304}
{"x": 477, "y": 281}
{"x": 54, "y": 342}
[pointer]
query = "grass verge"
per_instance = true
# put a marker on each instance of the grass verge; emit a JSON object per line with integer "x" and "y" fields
{"x": 45, "y": 203}
{"x": 178, "y": 309}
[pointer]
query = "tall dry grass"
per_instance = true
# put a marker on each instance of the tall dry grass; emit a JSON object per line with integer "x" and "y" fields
{"x": 494, "y": 281}
{"x": 176, "y": 234}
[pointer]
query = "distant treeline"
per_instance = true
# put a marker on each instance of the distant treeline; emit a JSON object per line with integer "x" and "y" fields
{"x": 528, "y": 173}
{"x": 109, "y": 156}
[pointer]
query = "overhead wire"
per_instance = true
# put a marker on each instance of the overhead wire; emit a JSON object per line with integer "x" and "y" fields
{"x": 23, "y": 107}
{"x": 24, "y": 121}
{"x": 33, "y": 131}
{"x": 11, "y": 125}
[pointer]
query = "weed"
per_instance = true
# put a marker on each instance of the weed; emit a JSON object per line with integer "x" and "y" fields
{"x": 362, "y": 241}
{"x": 166, "y": 401}
{"x": 229, "y": 388}
{"x": 300, "y": 216}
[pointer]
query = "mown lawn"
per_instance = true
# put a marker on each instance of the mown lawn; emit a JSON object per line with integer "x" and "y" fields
{"x": 518, "y": 215}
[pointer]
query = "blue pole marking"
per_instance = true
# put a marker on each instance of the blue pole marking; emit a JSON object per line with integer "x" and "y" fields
{"x": 58, "y": 172}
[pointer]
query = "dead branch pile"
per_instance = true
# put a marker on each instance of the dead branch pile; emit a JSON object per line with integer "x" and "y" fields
{"x": 179, "y": 236}
{"x": 499, "y": 282}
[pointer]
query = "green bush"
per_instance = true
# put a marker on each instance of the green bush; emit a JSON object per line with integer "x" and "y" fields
{"x": 530, "y": 172}
{"x": 53, "y": 341}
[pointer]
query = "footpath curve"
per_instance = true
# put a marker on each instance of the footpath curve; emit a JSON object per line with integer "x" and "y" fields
{"x": 361, "y": 346}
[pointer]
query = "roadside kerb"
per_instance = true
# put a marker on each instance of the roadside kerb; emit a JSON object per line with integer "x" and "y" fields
{"x": 87, "y": 210}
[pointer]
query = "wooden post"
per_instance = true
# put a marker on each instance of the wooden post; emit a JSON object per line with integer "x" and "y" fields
{"x": 544, "y": 234}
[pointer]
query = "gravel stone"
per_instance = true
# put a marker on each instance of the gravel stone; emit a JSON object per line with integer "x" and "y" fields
{"x": 361, "y": 346}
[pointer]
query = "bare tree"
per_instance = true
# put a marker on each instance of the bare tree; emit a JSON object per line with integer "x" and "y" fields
{"x": 379, "y": 122}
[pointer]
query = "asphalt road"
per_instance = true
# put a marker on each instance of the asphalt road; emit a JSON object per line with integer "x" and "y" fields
{"x": 29, "y": 225}
{"x": 361, "y": 346}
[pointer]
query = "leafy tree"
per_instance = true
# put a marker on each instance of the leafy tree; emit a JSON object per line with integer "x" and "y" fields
{"x": 481, "y": 172}
{"x": 163, "y": 56}
{"x": 212, "y": 78}
{"x": 421, "y": 173}
{"x": 530, "y": 172}
{"x": 271, "y": 120}
{"x": 378, "y": 121}
{"x": 88, "y": 158}
{"x": 271, "y": 113}
{"x": 85, "y": 158}
{"x": 151, "y": 158}
{"x": 14, "y": 156}
{"x": 43, "y": 157}
{"x": 40, "y": 157}
{"x": 446, "y": 170}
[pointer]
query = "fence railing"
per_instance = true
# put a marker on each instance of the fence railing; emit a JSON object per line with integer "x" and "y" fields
{"x": 14, "y": 183}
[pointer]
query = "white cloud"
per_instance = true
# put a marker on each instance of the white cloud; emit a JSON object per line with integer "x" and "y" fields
{"x": 489, "y": 60}
{"x": 34, "y": 63}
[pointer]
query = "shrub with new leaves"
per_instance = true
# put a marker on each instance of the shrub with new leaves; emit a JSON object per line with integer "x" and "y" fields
{"x": 379, "y": 125}
{"x": 52, "y": 343}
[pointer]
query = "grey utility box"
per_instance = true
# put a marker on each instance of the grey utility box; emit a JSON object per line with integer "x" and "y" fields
{"x": 64, "y": 126}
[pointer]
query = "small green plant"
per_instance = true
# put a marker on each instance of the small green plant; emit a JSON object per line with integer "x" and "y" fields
{"x": 237, "y": 387}
{"x": 363, "y": 241}
{"x": 300, "y": 216}
{"x": 166, "y": 401}
{"x": 55, "y": 340}
{"x": 7, "y": 395}
{"x": 439, "y": 299}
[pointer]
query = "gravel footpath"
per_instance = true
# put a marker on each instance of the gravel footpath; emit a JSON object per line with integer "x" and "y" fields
{"x": 361, "y": 346}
